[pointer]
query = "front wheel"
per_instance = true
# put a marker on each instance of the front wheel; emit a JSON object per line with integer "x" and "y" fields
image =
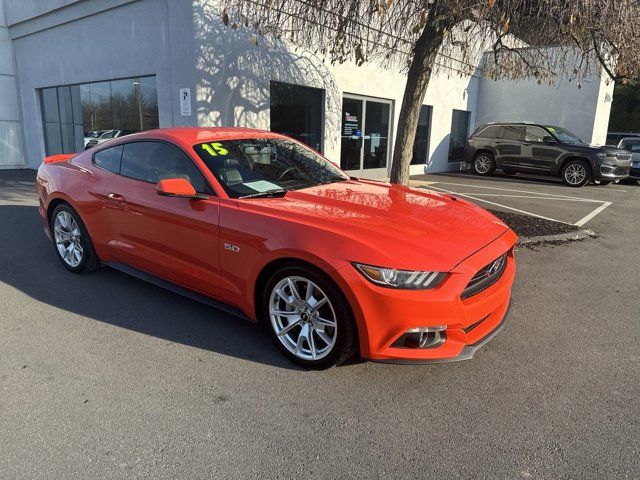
{"x": 484, "y": 164}
{"x": 575, "y": 173}
{"x": 308, "y": 318}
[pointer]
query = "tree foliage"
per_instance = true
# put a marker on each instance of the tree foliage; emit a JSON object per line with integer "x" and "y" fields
{"x": 419, "y": 37}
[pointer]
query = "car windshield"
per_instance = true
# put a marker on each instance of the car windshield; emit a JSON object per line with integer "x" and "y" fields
{"x": 564, "y": 135}
{"x": 261, "y": 166}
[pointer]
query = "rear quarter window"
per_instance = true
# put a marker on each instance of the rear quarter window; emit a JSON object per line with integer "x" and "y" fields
{"x": 489, "y": 132}
{"x": 109, "y": 158}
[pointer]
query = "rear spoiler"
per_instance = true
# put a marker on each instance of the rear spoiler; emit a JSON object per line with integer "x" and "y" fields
{"x": 63, "y": 157}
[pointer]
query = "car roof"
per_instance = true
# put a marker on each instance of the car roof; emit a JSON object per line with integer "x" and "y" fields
{"x": 517, "y": 123}
{"x": 194, "y": 135}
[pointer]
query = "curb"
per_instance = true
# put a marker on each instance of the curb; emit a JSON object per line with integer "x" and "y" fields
{"x": 562, "y": 237}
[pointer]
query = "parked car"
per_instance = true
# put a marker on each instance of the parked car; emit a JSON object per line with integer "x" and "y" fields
{"x": 632, "y": 145}
{"x": 107, "y": 135}
{"x": 265, "y": 228}
{"x": 613, "y": 138}
{"x": 543, "y": 149}
{"x": 92, "y": 135}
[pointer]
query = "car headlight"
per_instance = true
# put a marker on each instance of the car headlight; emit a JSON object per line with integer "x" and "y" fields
{"x": 402, "y": 279}
{"x": 607, "y": 156}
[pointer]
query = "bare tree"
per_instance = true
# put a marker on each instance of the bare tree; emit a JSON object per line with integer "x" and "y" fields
{"x": 421, "y": 36}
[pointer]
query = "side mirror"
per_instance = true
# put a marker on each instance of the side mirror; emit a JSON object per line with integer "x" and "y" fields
{"x": 177, "y": 187}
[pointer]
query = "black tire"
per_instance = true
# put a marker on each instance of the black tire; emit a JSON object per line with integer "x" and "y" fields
{"x": 484, "y": 164}
{"x": 89, "y": 261}
{"x": 346, "y": 339}
{"x": 570, "y": 174}
{"x": 508, "y": 171}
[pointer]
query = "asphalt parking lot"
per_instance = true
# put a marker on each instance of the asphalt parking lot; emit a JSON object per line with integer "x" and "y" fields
{"x": 104, "y": 376}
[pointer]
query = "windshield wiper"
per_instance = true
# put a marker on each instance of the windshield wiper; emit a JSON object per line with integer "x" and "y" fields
{"x": 269, "y": 193}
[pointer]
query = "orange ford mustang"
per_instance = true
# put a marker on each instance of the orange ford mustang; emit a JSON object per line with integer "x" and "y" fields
{"x": 265, "y": 228}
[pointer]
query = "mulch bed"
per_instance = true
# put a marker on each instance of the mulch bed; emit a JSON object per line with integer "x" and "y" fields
{"x": 528, "y": 226}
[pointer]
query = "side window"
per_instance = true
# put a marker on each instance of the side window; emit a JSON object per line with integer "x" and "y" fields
{"x": 512, "y": 132}
{"x": 109, "y": 158}
{"x": 489, "y": 132}
{"x": 535, "y": 134}
{"x": 155, "y": 161}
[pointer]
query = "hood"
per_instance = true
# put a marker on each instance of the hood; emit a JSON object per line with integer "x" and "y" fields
{"x": 390, "y": 225}
{"x": 596, "y": 148}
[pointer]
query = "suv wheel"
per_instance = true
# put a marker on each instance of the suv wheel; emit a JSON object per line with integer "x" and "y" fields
{"x": 575, "y": 173}
{"x": 484, "y": 164}
{"x": 308, "y": 318}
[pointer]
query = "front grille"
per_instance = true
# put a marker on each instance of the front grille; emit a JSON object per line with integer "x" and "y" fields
{"x": 625, "y": 157}
{"x": 621, "y": 171}
{"x": 486, "y": 277}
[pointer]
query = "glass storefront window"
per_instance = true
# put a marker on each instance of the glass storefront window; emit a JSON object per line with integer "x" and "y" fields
{"x": 81, "y": 116}
{"x": 297, "y": 112}
{"x": 459, "y": 135}
{"x": 421, "y": 143}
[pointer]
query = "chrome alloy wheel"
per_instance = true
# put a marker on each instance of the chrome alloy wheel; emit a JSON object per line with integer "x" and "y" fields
{"x": 68, "y": 239}
{"x": 482, "y": 164}
{"x": 303, "y": 318}
{"x": 575, "y": 174}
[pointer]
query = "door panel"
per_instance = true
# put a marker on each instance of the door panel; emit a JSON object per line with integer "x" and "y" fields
{"x": 351, "y": 135}
{"x": 376, "y": 135}
{"x": 174, "y": 238}
{"x": 509, "y": 146}
{"x": 538, "y": 154}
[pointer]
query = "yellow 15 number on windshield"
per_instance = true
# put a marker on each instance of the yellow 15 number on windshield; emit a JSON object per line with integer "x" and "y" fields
{"x": 214, "y": 149}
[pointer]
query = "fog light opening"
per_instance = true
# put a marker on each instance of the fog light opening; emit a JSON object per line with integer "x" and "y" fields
{"x": 422, "y": 337}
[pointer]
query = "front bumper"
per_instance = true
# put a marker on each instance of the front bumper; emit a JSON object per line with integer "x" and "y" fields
{"x": 611, "y": 172}
{"x": 384, "y": 315}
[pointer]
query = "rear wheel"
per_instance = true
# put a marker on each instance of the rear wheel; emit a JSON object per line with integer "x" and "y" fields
{"x": 575, "y": 173}
{"x": 71, "y": 241}
{"x": 308, "y": 318}
{"x": 484, "y": 164}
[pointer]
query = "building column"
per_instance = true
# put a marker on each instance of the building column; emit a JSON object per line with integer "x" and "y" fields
{"x": 11, "y": 151}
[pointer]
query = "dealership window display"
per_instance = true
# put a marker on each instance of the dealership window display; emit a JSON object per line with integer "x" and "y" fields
{"x": 79, "y": 116}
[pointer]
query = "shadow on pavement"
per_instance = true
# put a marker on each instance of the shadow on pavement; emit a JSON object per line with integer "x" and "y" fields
{"x": 28, "y": 264}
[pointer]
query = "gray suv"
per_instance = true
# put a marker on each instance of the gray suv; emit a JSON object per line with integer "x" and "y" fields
{"x": 544, "y": 150}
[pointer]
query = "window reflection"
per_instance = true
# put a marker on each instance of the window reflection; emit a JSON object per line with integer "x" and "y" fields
{"x": 83, "y": 116}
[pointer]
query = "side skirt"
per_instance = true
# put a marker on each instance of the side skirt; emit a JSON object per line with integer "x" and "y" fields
{"x": 172, "y": 287}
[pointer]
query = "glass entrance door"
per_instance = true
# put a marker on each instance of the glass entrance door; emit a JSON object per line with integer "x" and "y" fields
{"x": 365, "y": 135}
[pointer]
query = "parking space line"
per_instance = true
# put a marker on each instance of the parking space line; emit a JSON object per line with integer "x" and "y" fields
{"x": 510, "y": 190}
{"x": 586, "y": 200}
{"x": 583, "y": 221}
{"x": 499, "y": 205}
{"x": 531, "y": 195}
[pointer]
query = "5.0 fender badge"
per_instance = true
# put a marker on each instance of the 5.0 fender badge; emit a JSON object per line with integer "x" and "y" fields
{"x": 231, "y": 248}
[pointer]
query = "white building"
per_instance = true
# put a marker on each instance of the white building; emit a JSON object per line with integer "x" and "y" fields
{"x": 68, "y": 67}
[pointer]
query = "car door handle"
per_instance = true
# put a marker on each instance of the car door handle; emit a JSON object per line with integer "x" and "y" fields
{"x": 116, "y": 197}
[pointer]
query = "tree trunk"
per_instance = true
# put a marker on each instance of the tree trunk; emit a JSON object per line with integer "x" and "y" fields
{"x": 418, "y": 76}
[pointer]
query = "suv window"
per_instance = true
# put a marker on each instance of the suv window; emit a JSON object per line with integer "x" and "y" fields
{"x": 536, "y": 134}
{"x": 489, "y": 132}
{"x": 155, "y": 161}
{"x": 109, "y": 158}
{"x": 512, "y": 132}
